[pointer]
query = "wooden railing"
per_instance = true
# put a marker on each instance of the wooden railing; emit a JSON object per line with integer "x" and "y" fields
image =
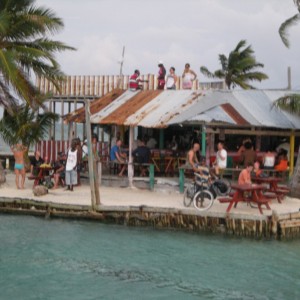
{"x": 101, "y": 84}
{"x": 51, "y": 148}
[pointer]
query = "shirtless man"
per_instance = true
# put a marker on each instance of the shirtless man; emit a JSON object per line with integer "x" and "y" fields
{"x": 18, "y": 150}
{"x": 192, "y": 160}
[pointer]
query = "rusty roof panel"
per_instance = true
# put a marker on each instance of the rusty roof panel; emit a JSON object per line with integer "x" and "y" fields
{"x": 162, "y": 109}
{"x": 98, "y": 104}
{"x": 130, "y": 107}
{"x": 233, "y": 113}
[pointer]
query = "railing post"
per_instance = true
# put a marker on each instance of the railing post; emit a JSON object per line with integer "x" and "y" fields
{"x": 181, "y": 180}
{"x": 151, "y": 175}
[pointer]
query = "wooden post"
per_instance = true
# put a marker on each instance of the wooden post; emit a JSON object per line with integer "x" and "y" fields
{"x": 130, "y": 162}
{"x": 151, "y": 175}
{"x": 95, "y": 196}
{"x": 161, "y": 138}
{"x": 181, "y": 180}
{"x": 292, "y": 152}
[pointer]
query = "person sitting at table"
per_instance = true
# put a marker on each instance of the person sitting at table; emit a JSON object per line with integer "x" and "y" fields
{"x": 142, "y": 156}
{"x": 269, "y": 159}
{"x": 257, "y": 171}
{"x": 245, "y": 175}
{"x": 59, "y": 169}
{"x": 119, "y": 157}
{"x": 282, "y": 161}
{"x": 35, "y": 162}
{"x": 220, "y": 162}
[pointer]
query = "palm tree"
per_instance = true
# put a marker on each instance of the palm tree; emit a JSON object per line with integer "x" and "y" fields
{"x": 26, "y": 126}
{"x": 25, "y": 50}
{"x": 290, "y": 103}
{"x": 238, "y": 68}
{"x": 285, "y": 26}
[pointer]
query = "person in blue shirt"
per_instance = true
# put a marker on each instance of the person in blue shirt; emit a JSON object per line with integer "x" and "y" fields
{"x": 117, "y": 156}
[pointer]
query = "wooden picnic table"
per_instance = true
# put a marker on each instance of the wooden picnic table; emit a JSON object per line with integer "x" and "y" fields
{"x": 272, "y": 182}
{"x": 250, "y": 193}
{"x": 42, "y": 173}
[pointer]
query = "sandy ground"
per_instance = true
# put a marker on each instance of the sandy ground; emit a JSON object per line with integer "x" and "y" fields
{"x": 124, "y": 196}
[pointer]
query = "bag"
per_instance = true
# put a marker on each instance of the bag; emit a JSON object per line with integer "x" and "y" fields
{"x": 48, "y": 183}
{"x": 220, "y": 186}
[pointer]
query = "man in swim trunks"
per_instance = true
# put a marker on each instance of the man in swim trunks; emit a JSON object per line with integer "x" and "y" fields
{"x": 18, "y": 150}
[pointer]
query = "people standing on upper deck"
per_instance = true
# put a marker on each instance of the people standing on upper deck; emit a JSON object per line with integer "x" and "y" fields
{"x": 18, "y": 151}
{"x": 135, "y": 82}
{"x": 171, "y": 79}
{"x": 161, "y": 76}
{"x": 188, "y": 77}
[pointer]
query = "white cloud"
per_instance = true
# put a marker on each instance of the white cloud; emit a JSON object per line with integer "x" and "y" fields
{"x": 180, "y": 31}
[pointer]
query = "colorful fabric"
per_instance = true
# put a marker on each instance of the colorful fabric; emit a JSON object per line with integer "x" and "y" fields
{"x": 19, "y": 166}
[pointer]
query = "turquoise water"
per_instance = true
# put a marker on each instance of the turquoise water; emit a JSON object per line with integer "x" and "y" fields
{"x": 59, "y": 259}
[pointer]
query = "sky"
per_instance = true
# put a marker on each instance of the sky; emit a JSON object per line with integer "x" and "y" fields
{"x": 176, "y": 32}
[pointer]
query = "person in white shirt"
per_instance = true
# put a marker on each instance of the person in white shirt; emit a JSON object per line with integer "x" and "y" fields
{"x": 71, "y": 166}
{"x": 221, "y": 159}
{"x": 115, "y": 139}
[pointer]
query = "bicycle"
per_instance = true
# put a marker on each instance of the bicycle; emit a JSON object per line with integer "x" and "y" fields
{"x": 202, "y": 194}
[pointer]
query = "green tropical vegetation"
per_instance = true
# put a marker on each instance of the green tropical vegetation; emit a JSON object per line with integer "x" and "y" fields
{"x": 25, "y": 50}
{"x": 239, "y": 68}
{"x": 26, "y": 126}
{"x": 290, "y": 102}
{"x": 286, "y": 25}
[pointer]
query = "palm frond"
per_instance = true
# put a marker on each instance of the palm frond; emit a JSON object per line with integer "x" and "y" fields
{"x": 285, "y": 26}
{"x": 290, "y": 103}
{"x": 206, "y": 72}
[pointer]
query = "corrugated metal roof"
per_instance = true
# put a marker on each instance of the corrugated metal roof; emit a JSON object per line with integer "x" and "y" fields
{"x": 147, "y": 108}
{"x": 157, "y": 109}
{"x": 97, "y": 105}
{"x": 253, "y": 106}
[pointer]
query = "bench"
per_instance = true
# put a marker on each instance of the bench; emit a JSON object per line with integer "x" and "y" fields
{"x": 234, "y": 172}
{"x": 149, "y": 166}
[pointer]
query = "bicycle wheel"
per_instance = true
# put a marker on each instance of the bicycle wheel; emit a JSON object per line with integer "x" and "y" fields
{"x": 188, "y": 195}
{"x": 203, "y": 200}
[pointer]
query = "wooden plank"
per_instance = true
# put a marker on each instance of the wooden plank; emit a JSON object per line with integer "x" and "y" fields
{"x": 289, "y": 224}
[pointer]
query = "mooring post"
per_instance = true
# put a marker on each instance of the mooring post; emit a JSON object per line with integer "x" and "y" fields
{"x": 181, "y": 180}
{"x": 95, "y": 195}
{"x": 151, "y": 175}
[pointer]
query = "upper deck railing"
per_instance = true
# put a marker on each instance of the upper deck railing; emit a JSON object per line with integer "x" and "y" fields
{"x": 99, "y": 85}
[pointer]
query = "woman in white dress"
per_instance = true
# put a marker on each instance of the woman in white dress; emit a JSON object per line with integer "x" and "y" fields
{"x": 171, "y": 80}
{"x": 188, "y": 77}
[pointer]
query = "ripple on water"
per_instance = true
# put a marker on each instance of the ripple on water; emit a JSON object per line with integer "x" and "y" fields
{"x": 41, "y": 259}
